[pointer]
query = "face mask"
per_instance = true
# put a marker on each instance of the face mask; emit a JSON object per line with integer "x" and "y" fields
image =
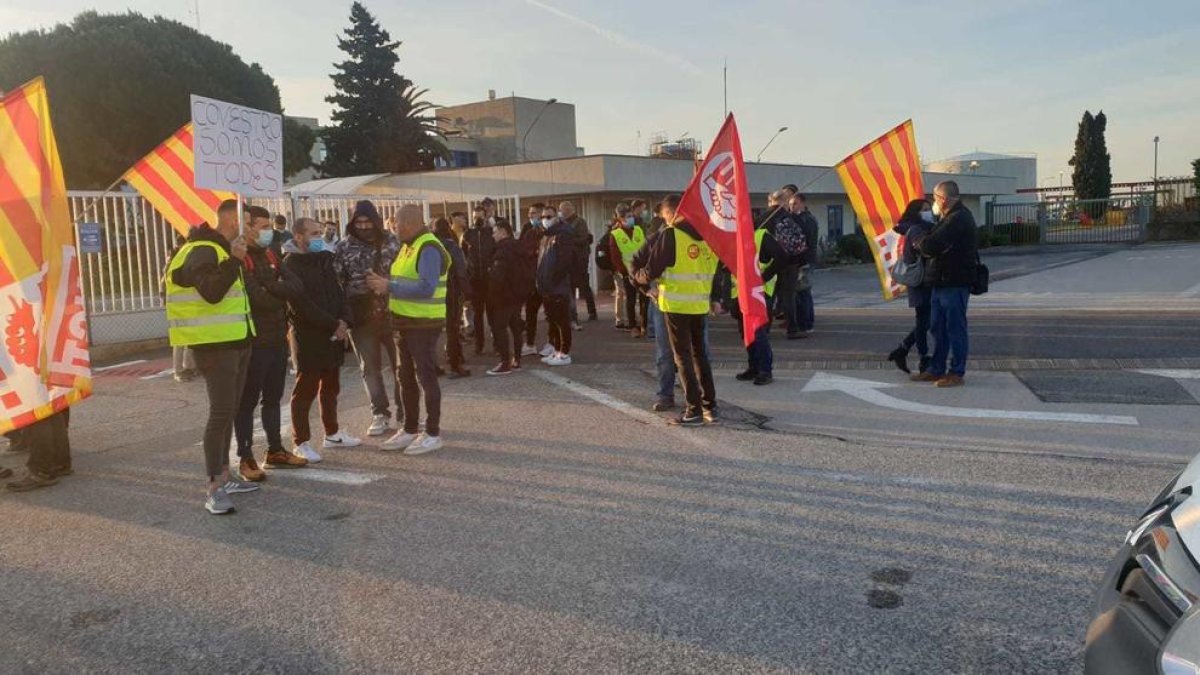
{"x": 927, "y": 216}
{"x": 562, "y": 215}
{"x": 534, "y": 220}
{"x": 630, "y": 221}
{"x": 265, "y": 237}
{"x": 316, "y": 245}
{"x": 547, "y": 222}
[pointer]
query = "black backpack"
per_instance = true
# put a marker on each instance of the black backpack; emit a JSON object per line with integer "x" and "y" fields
{"x": 603, "y": 260}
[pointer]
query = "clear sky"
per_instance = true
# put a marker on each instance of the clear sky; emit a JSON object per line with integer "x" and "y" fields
{"x": 993, "y": 75}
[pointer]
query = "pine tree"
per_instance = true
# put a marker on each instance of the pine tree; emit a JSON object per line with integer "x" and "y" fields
{"x": 1092, "y": 176}
{"x": 380, "y": 124}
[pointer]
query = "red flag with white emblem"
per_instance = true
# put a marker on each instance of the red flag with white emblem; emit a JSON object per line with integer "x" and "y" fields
{"x": 717, "y": 204}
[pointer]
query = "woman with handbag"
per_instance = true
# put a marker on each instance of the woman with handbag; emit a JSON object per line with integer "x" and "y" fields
{"x": 914, "y": 224}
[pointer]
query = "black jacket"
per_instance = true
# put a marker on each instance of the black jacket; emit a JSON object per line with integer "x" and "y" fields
{"x": 316, "y": 309}
{"x": 479, "y": 246}
{"x": 269, "y": 292}
{"x": 812, "y": 236}
{"x": 458, "y": 282}
{"x": 511, "y": 280}
{"x": 951, "y": 249}
{"x": 659, "y": 253}
{"x": 212, "y": 281}
{"x": 556, "y": 263}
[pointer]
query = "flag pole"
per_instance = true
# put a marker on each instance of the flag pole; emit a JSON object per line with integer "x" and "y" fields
{"x": 241, "y": 215}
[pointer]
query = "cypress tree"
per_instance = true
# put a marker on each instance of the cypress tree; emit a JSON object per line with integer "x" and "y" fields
{"x": 380, "y": 125}
{"x": 1092, "y": 175}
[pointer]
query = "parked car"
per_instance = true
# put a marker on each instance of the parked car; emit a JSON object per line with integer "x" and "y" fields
{"x": 1148, "y": 608}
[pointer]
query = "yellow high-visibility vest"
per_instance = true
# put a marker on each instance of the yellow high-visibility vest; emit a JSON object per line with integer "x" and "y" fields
{"x": 768, "y": 287}
{"x": 686, "y": 286}
{"x": 629, "y": 244}
{"x": 192, "y": 320}
{"x": 405, "y": 267}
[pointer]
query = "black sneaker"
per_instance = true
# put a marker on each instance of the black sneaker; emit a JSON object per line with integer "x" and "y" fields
{"x": 459, "y": 373}
{"x": 688, "y": 420}
{"x": 763, "y": 379}
{"x": 663, "y": 405}
{"x": 746, "y": 375}
{"x": 796, "y": 335}
{"x": 712, "y": 417}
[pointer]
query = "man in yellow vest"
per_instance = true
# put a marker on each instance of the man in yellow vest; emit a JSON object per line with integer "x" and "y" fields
{"x": 771, "y": 259}
{"x": 684, "y": 266}
{"x": 209, "y": 311}
{"x": 626, "y": 238}
{"x": 416, "y": 290}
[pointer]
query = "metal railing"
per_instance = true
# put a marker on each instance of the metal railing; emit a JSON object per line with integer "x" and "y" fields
{"x": 122, "y": 283}
{"x": 1070, "y": 221}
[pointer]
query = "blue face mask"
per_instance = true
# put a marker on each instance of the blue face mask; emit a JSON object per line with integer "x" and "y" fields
{"x": 629, "y": 221}
{"x": 265, "y": 237}
{"x": 316, "y": 245}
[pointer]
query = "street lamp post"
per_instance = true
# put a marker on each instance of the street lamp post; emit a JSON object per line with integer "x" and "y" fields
{"x": 1156, "y": 171}
{"x": 524, "y": 138}
{"x": 760, "y": 152}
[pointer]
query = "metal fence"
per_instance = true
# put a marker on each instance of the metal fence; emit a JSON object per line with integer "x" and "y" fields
{"x": 1069, "y": 221}
{"x": 122, "y": 284}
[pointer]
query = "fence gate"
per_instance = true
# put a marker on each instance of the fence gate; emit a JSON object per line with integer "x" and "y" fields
{"x": 1087, "y": 221}
{"x": 122, "y": 283}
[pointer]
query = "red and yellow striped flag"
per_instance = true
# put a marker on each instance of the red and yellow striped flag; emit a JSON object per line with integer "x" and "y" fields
{"x": 45, "y": 364}
{"x": 881, "y": 179}
{"x": 164, "y": 177}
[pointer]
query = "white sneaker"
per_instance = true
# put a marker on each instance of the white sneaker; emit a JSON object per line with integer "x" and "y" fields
{"x": 529, "y": 350}
{"x": 424, "y": 443}
{"x": 380, "y": 425}
{"x": 577, "y": 326}
{"x": 547, "y": 350}
{"x": 559, "y": 360}
{"x": 399, "y": 441}
{"x": 342, "y": 440}
{"x": 305, "y": 451}
{"x": 548, "y": 359}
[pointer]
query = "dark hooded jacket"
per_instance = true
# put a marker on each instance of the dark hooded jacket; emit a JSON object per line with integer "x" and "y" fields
{"x": 355, "y": 255}
{"x": 316, "y": 309}
{"x": 211, "y": 280}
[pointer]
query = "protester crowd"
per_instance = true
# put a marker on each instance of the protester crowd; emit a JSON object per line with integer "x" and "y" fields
{"x": 247, "y": 298}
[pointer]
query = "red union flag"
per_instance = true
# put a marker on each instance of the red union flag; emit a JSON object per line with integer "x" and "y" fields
{"x": 717, "y": 204}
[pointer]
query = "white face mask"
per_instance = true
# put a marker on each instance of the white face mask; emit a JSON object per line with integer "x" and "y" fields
{"x": 547, "y": 222}
{"x": 927, "y": 216}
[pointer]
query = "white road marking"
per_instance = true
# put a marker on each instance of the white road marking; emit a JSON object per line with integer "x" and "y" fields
{"x": 644, "y": 416}
{"x": 1172, "y": 374}
{"x": 599, "y": 397}
{"x": 159, "y": 374}
{"x": 328, "y": 476}
{"x": 118, "y": 365}
{"x": 866, "y": 390}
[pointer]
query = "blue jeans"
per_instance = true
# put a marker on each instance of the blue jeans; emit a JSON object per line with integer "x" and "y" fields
{"x": 759, "y": 354}
{"x": 664, "y": 359}
{"x": 804, "y": 309}
{"x": 948, "y": 319}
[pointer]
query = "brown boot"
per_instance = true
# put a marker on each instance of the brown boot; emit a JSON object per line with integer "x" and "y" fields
{"x": 282, "y": 459}
{"x": 924, "y": 377}
{"x": 950, "y": 381}
{"x": 249, "y": 470}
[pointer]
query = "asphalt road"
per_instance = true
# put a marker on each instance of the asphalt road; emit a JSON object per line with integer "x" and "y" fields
{"x": 566, "y": 529}
{"x": 557, "y": 533}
